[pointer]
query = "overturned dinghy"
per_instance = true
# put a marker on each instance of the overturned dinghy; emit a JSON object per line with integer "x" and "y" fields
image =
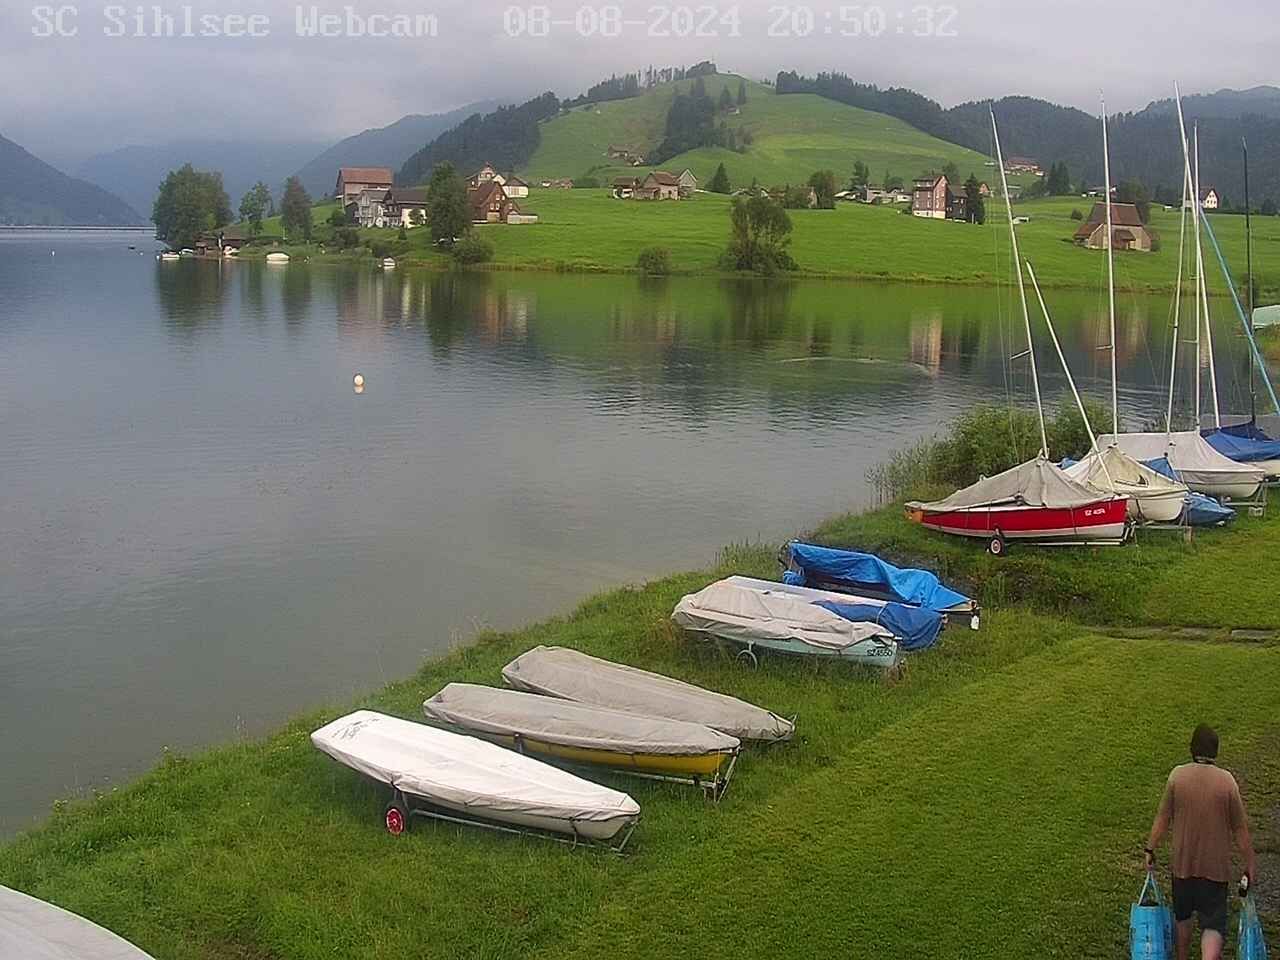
{"x": 1153, "y": 497}
{"x": 572, "y": 675}
{"x": 32, "y": 929}
{"x": 575, "y": 732}
{"x": 866, "y": 575}
{"x": 1196, "y": 463}
{"x": 436, "y": 773}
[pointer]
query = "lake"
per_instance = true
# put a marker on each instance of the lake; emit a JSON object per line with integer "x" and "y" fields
{"x": 206, "y": 529}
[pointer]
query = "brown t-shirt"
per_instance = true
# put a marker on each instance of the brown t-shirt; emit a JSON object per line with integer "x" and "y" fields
{"x": 1203, "y": 802}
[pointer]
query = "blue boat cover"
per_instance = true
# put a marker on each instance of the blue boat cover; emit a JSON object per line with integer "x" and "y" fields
{"x": 820, "y": 565}
{"x": 1249, "y": 430}
{"x": 913, "y": 627}
{"x": 1242, "y": 449}
{"x": 1200, "y": 511}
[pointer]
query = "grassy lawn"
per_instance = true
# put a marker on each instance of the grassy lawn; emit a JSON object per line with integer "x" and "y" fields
{"x": 991, "y": 803}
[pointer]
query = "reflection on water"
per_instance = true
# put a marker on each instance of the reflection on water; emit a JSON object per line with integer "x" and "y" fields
{"x": 207, "y": 529}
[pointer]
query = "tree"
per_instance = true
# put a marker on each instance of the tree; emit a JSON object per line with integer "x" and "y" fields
{"x": 951, "y": 172}
{"x": 720, "y": 181}
{"x": 824, "y": 188}
{"x": 295, "y": 210}
{"x": 447, "y": 210}
{"x": 861, "y": 175}
{"x": 742, "y": 93}
{"x": 892, "y": 181}
{"x": 1135, "y": 192}
{"x": 1268, "y": 208}
{"x": 417, "y": 218}
{"x": 338, "y": 219}
{"x": 190, "y": 202}
{"x": 254, "y": 206}
{"x": 975, "y": 206}
{"x": 759, "y": 233}
{"x": 1058, "y": 181}
{"x": 726, "y": 100}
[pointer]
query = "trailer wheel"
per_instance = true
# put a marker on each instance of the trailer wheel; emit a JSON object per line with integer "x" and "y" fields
{"x": 996, "y": 545}
{"x": 396, "y": 818}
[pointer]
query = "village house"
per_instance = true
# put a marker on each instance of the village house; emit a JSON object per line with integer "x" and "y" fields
{"x": 224, "y": 242}
{"x": 929, "y": 197}
{"x": 688, "y": 183}
{"x": 1023, "y": 165}
{"x": 405, "y": 206}
{"x": 484, "y": 175}
{"x": 367, "y": 210}
{"x": 624, "y": 187}
{"x": 1128, "y": 232}
{"x": 633, "y": 157}
{"x": 515, "y": 187}
{"x": 352, "y": 181}
{"x": 657, "y": 185}
{"x": 1210, "y": 199}
{"x": 490, "y": 204}
{"x": 983, "y": 189}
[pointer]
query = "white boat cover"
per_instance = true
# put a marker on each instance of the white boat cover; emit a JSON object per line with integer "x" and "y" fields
{"x": 1188, "y": 453}
{"x": 1036, "y": 483}
{"x": 32, "y": 929}
{"x": 572, "y": 675}
{"x": 568, "y": 723}
{"x": 465, "y": 772}
{"x": 1111, "y": 465}
{"x": 745, "y": 611}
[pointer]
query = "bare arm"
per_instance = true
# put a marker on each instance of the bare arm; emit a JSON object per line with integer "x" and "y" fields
{"x": 1160, "y": 826}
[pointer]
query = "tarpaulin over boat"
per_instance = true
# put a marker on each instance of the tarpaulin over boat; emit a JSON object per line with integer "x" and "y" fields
{"x": 1242, "y": 449}
{"x": 746, "y": 612}
{"x": 1250, "y": 429}
{"x": 1036, "y": 483}
{"x": 573, "y": 675}
{"x": 1193, "y": 460}
{"x": 31, "y": 929}
{"x": 1111, "y": 465}
{"x": 913, "y": 627}
{"x": 569, "y": 723}
{"x": 813, "y": 566}
{"x": 465, "y": 773}
{"x": 1198, "y": 510}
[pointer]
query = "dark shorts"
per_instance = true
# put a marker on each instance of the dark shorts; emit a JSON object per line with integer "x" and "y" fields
{"x": 1208, "y": 898}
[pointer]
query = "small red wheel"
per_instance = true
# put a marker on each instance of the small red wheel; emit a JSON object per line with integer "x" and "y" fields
{"x": 397, "y": 819}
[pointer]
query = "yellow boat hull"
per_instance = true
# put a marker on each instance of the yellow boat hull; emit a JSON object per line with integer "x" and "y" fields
{"x": 704, "y": 766}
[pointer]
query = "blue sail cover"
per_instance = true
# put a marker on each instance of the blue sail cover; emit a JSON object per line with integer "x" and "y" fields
{"x": 865, "y": 571}
{"x": 1242, "y": 449}
{"x": 1200, "y": 511}
{"x": 913, "y": 627}
{"x": 1249, "y": 430}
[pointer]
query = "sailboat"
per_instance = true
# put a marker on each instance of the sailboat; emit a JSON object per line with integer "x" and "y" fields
{"x": 1152, "y": 497}
{"x": 1034, "y": 501}
{"x": 1192, "y": 458}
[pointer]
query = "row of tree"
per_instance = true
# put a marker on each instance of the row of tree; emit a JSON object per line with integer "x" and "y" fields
{"x": 695, "y": 120}
{"x": 194, "y": 202}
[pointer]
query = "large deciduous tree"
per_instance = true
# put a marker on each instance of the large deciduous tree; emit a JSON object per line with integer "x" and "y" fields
{"x": 823, "y": 183}
{"x": 254, "y": 206}
{"x": 190, "y": 203}
{"x": 447, "y": 210}
{"x": 759, "y": 233}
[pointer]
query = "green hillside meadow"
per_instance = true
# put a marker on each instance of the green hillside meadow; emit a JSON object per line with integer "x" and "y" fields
{"x": 794, "y": 136}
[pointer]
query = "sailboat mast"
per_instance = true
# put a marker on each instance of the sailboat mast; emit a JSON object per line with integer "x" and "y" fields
{"x": 1204, "y": 298}
{"x": 1022, "y": 290}
{"x": 1177, "y": 304}
{"x": 1111, "y": 272}
{"x": 1248, "y": 295}
{"x": 1195, "y": 227}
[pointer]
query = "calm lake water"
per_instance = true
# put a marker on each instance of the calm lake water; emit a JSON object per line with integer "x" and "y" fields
{"x": 205, "y": 529}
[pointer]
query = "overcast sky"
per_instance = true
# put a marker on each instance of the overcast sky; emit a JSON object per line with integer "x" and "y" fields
{"x": 68, "y": 97}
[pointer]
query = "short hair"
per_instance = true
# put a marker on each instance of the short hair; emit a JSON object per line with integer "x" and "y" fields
{"x": 1204, "y": 742}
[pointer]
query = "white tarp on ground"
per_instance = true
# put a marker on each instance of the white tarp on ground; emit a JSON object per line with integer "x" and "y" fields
{"x": 562, "y": 672}
{"x": 746, "y": 612}
{"x": 1189, "y": 454}
{"x": 1036, "y": 483}
{"x": 465, "y": 772}
{"x": 568, "y": 723}
{"x": 31, "y": 929}
{"x": 1111, "y": 465}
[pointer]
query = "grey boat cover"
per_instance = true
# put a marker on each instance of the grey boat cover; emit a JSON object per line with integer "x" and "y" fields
{"x": 1036, "y": 483}
{"x": 466, "y": 772}
{"x": 572, "y": 675}
{"x": 1110, "y": 466}
{"x": 1190, "y": 455}
{"x": 31, "y": 929}
{"x": 567, "y": 723}
{"x": 749, "y": 611}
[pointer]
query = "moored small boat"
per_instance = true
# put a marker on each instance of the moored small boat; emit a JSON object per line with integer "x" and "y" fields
{"x": 1153, "y": 497}
{"x": 1034, "y": 501}
{"x": 168, "y": 256}
{"x": 775, "y": 617}
{"x": 277, "y": 257}
{"x": 1196, "y": 463}
{"x": 582, "y": 733}
{"x": 388, "y": 263}
{"x": 573, "y": 675}
{"x": 438, "y": 773}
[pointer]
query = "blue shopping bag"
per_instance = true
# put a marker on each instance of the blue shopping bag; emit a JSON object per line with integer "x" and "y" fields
{"x": 1252, "y": 946}
{"x": 1150, "y": 924}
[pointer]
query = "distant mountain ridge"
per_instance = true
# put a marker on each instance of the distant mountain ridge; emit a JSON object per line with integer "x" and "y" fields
{"x": 388, "y": 146}
{"x": 34, "y": 193}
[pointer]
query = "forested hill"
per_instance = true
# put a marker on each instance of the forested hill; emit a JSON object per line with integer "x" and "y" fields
{"x": 1144, "y": 145}
{"x": 32, "y": 192}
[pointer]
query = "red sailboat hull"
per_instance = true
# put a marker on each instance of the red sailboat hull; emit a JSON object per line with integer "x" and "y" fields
{"x": 1102, "y": 521}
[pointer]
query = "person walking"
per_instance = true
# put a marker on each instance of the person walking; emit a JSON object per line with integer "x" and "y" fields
{"x": 1202, "y": 804}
